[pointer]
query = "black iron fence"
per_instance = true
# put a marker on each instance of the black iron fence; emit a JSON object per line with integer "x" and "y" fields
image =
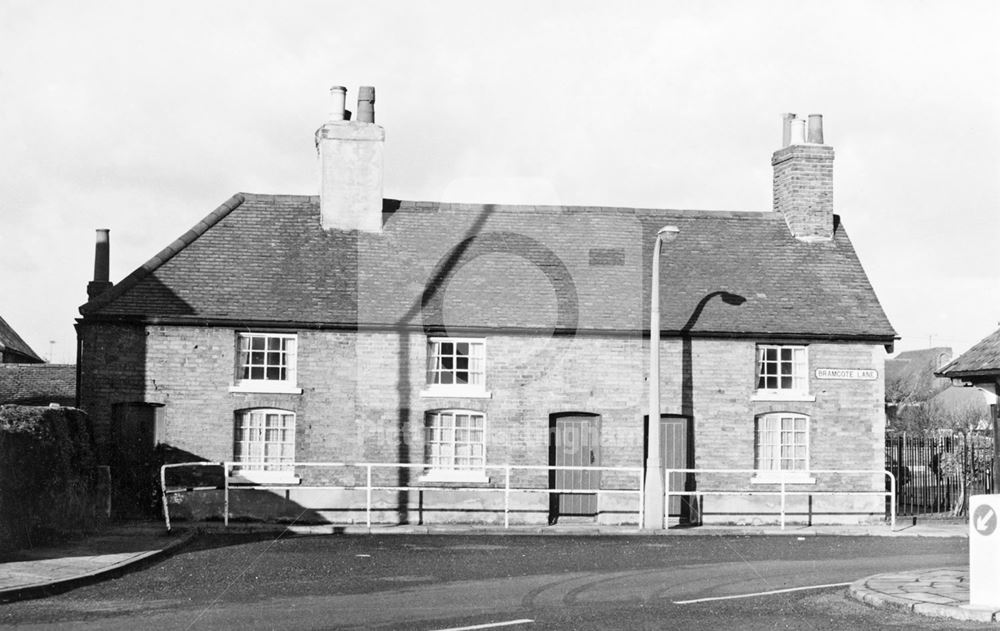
{"x": 936, "y": 473}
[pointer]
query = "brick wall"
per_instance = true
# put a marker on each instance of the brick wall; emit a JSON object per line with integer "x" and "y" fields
{"x": 803, "y": 189}
{"x": 362, "y": 398}
{"x": 112, "y": 369}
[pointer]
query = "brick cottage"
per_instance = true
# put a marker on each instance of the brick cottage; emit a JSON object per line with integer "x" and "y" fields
{"x": 462, "y": 337}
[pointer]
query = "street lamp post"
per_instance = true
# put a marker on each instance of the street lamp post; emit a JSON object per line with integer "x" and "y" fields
{"x": 653, "y": 518}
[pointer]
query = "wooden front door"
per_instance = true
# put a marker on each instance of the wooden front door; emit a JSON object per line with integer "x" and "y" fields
{"x": 575, "y": 442}
{"x": 676, "y": 452}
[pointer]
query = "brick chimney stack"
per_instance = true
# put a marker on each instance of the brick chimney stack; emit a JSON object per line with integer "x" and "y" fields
{"x": 351, "y": 158}
{"x": 102, "y": 263}
{"x": 803, "y": 179}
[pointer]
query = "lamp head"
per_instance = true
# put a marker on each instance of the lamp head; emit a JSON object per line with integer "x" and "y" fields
{"x": 668, "y": 233}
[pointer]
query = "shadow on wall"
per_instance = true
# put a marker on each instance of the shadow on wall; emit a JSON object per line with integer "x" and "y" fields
{"x": 687, "y": 369}
{"x": 112, "y": 355}
{"x": 202, "y": 497}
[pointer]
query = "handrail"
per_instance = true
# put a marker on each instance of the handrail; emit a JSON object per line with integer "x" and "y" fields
{"x": 782, "y": 479}
{"x": 787, "y": 477}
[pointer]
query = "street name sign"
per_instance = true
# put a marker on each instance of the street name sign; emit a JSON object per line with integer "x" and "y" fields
{"x": 853, "y": 374}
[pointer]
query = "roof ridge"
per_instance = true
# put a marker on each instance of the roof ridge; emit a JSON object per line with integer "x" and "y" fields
{"x": 690, "y": 212}
{"x": 165, "y": 254}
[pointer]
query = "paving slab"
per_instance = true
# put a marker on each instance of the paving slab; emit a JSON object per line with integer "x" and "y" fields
{"x": 938, "y": 592}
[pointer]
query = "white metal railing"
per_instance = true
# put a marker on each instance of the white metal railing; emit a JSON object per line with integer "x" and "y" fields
{"x": 369, "y": 487}
{"x": 782, "y": 481}
{"x": 785, "y": 478}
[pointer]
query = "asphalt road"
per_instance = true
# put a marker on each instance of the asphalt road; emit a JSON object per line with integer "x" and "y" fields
{"x": 522, "y": 582}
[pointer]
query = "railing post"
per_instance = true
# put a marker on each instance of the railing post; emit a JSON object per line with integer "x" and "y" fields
{"x": 225, "y": 495}
{"x": 163, "y": 495}
{"x": 666, "y": 499}
{"x": 782, "y": 500}
{"x": 506, "y": 497}
{"x": 368, "y": 496}
{"x": 892, "y": 501}
{"x": 642, "y": 496}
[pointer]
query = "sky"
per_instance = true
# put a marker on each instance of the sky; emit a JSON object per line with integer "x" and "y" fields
{"x": 142, "y": 117}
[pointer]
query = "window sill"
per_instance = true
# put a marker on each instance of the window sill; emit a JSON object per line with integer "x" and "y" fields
{"x": 242, "y": 476}
{"x": 762, "y": 395}
{"x": 771, "y": 478}
{"x": 456, "y": 393}
{"x": 452, "y": 475}
{"x": 265, "y": 387}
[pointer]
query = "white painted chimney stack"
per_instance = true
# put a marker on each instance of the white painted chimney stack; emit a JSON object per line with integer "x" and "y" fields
{"x": 351, "y": 165}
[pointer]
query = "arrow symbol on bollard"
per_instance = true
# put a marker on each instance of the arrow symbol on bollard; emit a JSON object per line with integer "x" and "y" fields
{"x": 983, "y": 520}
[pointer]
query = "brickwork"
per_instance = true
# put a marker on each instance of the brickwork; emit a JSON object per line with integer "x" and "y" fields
{"x": 803, "y": 189}
{"x": 364, "y": 399}
{"x": 112, "y": 369}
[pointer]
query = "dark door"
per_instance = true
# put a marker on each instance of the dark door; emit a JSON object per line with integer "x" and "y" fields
{"x": 135, "y": 432}
{"x": 675, "y": 447}
{"x": 575, "y": 442}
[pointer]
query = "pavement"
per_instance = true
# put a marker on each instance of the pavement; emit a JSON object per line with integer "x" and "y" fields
{"x": 42, "y": 571}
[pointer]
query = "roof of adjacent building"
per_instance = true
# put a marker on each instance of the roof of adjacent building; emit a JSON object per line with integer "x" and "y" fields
{"x": 968, "y": 401}
{"x": 38, "y": 384}
{"x": 917, "y": 365}
{"x": 11, "y": 342}
{"x": 261, "y": 259}
{"x": 982, "y": 360}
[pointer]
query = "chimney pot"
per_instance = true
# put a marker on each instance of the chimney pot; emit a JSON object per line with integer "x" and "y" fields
{"x": 815, "y": 129}
{"x": 798, "y": 132}
{"x": 102, "y": 255}
{"x": 338, "y": 94}
{"x": 366, "y": 104}
{"x": 786, "y": 129}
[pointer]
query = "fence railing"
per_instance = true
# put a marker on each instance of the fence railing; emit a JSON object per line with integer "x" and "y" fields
{"x": 937, "y": 473}
{"x": 369, "y": 487}
{"x": 784, "y": 479}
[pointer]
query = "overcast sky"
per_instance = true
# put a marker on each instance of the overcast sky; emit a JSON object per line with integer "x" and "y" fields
{"x": 143, "y": 117}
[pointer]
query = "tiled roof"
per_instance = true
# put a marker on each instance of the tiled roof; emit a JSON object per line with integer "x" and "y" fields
{"x": 12, "y": 342}
{"x": 265, "y": 259}
{"x": 915, "y": 364}
{"x": 983, "y": 359}
{"x": 38, "y": 384}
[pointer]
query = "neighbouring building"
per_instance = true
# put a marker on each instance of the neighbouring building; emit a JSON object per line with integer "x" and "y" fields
{"x": 979, "y": 368}
{"x": 25, "y": 378}
{"x": 461, "y": 338}
{"x": 38, "y": 384}
{"x": 13, "y": 349}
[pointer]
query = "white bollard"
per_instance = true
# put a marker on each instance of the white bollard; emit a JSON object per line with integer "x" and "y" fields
{"x": 984, "y": 551}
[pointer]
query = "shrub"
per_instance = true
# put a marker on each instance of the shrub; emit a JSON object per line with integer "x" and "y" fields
{"x": 48, "y": 475}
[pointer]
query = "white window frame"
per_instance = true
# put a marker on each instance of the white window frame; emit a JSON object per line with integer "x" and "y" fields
{"x": 264, "y": 446}
{"x": 287, "y": 354}
{"x": 798, "y": 388}
{"x": 781, "y": 448}
{"x": 443, "y": 369}
{"x": 446, "y": 444}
